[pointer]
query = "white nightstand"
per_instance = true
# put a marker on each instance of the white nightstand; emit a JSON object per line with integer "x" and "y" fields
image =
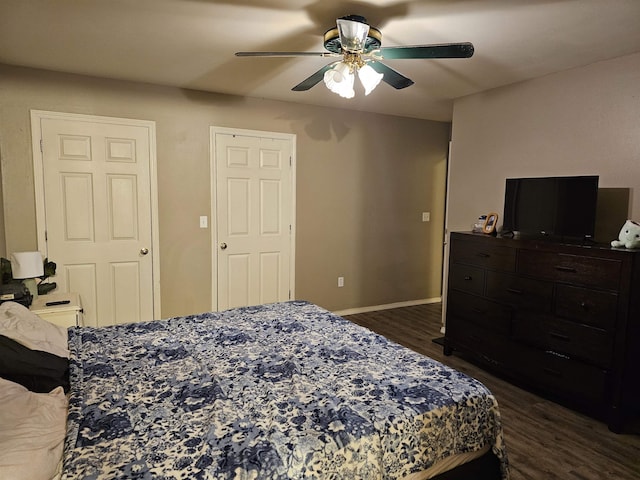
{"x": 64, "y": 314}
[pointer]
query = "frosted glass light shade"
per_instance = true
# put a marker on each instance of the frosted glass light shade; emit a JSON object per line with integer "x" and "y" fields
{"x": 27, "y": 265}
{"x": 353, "y": 35}
{"x": 340, "y": 80}
{"x": 369, "y": 78}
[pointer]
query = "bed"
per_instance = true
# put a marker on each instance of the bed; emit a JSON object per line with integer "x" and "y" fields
{"x": 278, "y": 391}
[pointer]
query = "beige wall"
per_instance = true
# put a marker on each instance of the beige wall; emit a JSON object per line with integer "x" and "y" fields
{"x": 582, "y": 121}
{"x": 362, "y": 182}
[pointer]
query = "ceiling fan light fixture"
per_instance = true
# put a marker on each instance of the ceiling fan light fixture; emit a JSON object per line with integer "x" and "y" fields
{"x": 369, "y": 78}
{"x": 353, "y": 34}
{"x": 340, "y": 80}
{"x": 360, "y": 46}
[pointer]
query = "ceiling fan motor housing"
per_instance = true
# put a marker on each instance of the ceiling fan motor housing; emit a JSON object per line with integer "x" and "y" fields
{"x": 332, "y": 36}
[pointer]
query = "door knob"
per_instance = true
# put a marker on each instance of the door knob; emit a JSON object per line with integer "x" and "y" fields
{"x": 144, "y": 251}
{"x": 223, "y": 246}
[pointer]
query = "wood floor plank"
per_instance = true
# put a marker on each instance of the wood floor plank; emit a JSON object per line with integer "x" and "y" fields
{"x": 544, "y": 440}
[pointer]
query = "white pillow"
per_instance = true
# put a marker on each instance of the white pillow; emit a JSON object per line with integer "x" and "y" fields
{"x": 32, "y": 432}
{"x": 22, "y": 325}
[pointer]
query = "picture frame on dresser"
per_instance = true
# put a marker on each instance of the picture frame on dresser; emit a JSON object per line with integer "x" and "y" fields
{"x": 491, "y": 223}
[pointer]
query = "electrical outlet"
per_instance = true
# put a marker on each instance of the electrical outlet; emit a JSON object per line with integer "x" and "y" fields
{"x": 426, "y": 216}
{"x": 204, "y": 221}
{"x": 341, "y": 281}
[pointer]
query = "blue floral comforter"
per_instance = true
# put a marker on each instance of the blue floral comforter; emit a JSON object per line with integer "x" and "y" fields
{"x": 280, "y": 391}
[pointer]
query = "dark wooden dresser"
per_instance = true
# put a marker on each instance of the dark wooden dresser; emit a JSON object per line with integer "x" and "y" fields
{"x": 561, "y": 319}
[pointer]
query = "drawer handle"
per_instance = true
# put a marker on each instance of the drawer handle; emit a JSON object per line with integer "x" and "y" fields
{"x": 565, "y": 269}
{"x": 584, "y": 305}
{"x": 490, "y": 360}
{"x": 514, "y": 291}
{"x": 560, "y": 336}
{"x": 483, "y": 255}
{"x": 551, "y": 371}
{"x": 478, "y": 311}
{"x": 556, "y": 354}
{"x": 468, "y": 277}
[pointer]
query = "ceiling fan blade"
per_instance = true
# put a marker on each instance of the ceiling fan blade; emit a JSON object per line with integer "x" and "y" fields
{"x": 390, "y": 76}
{"x": 286, "y": 54}
{"x": 445, "y": 50}
{"x": 313, "y": 80}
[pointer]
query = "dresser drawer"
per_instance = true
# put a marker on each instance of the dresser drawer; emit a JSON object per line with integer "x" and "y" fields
{"x": 483, "y": 254}
{"x": 491, "y": 348}
{"x": 519, "y": 292}
{"x": 591, "y": 307}
{"x": 466, "y": 278}
{"x": 576, "y": 269}
{"x": 561, "y": 376}
{"x": 592, "y": 345}
{"x": 489, "y": 315}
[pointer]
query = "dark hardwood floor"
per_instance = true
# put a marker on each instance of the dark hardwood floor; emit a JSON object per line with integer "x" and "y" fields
{"x": 544, "y": 440}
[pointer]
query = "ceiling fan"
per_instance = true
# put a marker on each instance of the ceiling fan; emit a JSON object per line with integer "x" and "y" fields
{"x": 359, "y": 45}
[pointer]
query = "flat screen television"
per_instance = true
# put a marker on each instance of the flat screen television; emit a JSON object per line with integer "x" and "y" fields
{"x": 559, "y": 207}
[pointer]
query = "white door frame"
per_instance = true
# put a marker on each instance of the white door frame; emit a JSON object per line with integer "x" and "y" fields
{"x": 38, "y": 179}
{"x": 445, "y": 251}
{"x": 213, "y": 130}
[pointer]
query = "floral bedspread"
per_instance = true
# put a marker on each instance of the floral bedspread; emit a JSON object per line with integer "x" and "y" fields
{"x": 280, "y": 391}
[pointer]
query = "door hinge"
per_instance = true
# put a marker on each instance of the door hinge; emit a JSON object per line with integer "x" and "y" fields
{"x": 46, "y": 236}
{"x": 41, "y": 146}
{"x": 290, "y": 161}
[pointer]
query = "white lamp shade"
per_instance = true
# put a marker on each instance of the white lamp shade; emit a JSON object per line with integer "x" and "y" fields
{"x": 353, "y": 35}
{"x": 27, "y": 265}
{"x": 340, "y": 80}
{"x": 369, "y": 78}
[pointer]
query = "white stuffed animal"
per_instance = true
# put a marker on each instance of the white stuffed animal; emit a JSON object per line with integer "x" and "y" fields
{"x": 629, "y": 236}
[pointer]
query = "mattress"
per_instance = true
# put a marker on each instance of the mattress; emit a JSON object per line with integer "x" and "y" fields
{"x": 278, "y": 391}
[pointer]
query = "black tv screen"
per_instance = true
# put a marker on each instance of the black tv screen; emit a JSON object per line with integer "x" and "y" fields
{"x": 551, "y": 206}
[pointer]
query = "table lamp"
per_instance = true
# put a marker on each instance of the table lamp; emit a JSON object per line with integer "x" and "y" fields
{"x": 27, "y": 266}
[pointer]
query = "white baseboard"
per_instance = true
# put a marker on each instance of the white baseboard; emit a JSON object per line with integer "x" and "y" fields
{"x": 352, "y": 311}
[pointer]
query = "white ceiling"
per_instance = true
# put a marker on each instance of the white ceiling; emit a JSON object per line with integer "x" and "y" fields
{"x": 191, "y": 43}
